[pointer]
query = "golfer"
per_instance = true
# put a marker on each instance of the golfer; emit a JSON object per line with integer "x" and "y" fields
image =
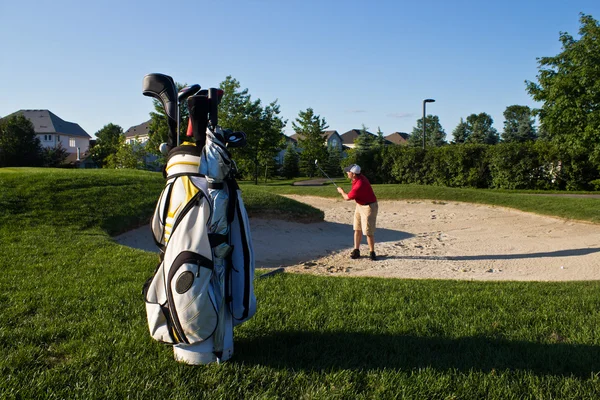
{"x": 365, "y": 214}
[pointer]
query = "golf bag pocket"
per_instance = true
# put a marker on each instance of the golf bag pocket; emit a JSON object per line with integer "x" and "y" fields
{"x": 241, "y": 282}
{"x": 180, "y": 302}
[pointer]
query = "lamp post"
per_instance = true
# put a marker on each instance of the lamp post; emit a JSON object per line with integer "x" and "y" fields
{"x": 425, "y": 102}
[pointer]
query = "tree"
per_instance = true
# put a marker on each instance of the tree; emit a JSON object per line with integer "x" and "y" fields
{"x": 54, "y": 156}
{"x": 19, "y": 146}
{"x": 568, "y": 87}
{"x": 434, "y": 136}
{"x": 109, "y": 140}
{"x": 129, "y": 155}
{"x": 365, "y": 141}
{"x": 263, "y": 127}
{"x": 518, "y": 124}
{"x": 311, "y": 142}
{"x": 481, "y": 129}
{"x": 461, "y": 133}
{"x": 380, "y": 141}
{"x": 334, "y": 162}
{"x": 290, "y": 168}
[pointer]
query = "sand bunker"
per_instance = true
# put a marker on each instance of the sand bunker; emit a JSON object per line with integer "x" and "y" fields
{"x": 425, "y": 239}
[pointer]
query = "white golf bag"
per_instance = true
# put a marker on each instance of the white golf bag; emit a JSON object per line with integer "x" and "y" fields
{"x": 203, "y": 285}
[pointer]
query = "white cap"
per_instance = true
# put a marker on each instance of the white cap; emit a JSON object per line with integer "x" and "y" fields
{"x": 354, "y": 168}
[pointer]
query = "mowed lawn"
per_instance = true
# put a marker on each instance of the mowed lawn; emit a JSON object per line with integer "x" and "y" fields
{"x": 73, "y": 323}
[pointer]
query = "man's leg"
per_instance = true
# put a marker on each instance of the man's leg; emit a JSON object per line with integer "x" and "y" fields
{"x": 357, "y": 239}
{"x": 370, "y": 241}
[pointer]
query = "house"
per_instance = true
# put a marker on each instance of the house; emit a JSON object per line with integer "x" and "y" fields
{"x": 331, "y": 138}
{"x": 53, "y": 131}
{"x": 140, "y": 134}
{"x": 398, "y": 138}
{"x": 349, "y": 137}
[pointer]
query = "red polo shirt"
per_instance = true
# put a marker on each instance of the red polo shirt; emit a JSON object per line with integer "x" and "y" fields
{"x": 362, "y": 191}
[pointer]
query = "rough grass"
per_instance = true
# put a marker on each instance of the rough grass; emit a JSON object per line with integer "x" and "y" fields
{"x": 73, "y": 323}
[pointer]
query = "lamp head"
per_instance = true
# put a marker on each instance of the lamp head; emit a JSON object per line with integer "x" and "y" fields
{"x": 429, "y": 101}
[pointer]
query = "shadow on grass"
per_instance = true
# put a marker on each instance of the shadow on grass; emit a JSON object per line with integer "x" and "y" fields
{"x": 340, "y": 350}
{"x": 545, "y": 254}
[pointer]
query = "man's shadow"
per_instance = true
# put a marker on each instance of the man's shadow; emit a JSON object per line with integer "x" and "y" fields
{"x": 318, "y": 351}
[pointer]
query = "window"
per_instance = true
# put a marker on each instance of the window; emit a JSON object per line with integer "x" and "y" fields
{"x": 71, "y": 142}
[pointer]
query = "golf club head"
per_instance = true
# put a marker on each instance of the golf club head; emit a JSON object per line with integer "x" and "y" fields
{"x": 234, "y": 139}
{"x": 316, "y": 162}
{"x": 198, "y": 107}
{"x": 162, "y": 87}
{"x": 187, "y": 92}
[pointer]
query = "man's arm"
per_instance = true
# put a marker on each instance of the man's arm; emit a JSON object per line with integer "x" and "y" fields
{"x": 344, "y": 195}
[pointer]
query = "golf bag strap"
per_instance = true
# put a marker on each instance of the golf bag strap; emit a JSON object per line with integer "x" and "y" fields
{"x": 216, "y": 185}
{"x": 233, "y": 187}
{"x": 167, "y": 203}
{"x": 216, "y": 239}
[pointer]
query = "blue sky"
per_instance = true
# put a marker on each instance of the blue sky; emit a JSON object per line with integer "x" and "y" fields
{"x": 353, "y": 62}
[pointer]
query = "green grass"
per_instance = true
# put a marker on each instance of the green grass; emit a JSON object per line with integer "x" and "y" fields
{"x": 583, "y": 209}
{"x": 73, "y": 323}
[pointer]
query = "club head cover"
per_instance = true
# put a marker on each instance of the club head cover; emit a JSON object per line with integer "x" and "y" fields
{"x": 198, "y": 107}
{"x": 187, "y": 92}
{"x": 162, "y": 87}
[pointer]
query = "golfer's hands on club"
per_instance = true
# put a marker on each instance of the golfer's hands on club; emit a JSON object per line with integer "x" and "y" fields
{"x": 341, "y": 191}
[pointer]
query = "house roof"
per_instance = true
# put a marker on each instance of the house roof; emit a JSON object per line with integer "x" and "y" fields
{"x": 45, "y": 121}
{"x": 351, "y": 135}
{"x": 398, "y": 137}
{"x": 142, "y": 129}
{"x": 326, "y": 135}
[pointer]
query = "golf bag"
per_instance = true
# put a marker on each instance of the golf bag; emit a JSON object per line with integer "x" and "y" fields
{"x": 203, "y": 285}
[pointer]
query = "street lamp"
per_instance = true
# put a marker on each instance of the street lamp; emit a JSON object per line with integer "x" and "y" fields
{"x": 425, "y": 102}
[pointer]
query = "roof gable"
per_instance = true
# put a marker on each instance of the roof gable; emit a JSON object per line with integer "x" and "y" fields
{"x": 44, "y": 121}
{"x": 142, "y": 129}
{"x": 350, "y": 136}
{"x": 398, "y": 137}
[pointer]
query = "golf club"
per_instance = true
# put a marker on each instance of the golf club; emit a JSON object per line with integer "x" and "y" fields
{"x": 181, "y": 97}
{"x": 162, "y": 87}
{"x": 318, "y": 166}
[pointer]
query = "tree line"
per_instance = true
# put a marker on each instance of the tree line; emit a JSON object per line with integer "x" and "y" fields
{"x": 567, "y": 86}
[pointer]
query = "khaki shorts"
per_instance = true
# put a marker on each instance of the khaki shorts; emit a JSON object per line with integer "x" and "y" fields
{"x": 365, "y": 218}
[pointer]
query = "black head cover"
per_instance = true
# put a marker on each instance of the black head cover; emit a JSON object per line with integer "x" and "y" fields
{"x": 198, "y": 108}
{"x": 187, "y": 92}
{"x": 162, "y": 87}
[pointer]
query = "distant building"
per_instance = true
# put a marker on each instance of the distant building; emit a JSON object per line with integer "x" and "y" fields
{"x": 140, "y": 134}
{"x": 53, "y": 131}
{"x": 399, "y": 138}
{"x": 332, "y": 139}
{"x": 349, "y": 137}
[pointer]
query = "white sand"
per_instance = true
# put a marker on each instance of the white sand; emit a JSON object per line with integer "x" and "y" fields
{"x": 426, "y": 239}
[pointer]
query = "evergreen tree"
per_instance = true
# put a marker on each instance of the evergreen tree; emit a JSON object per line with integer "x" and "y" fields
{"x": 482, "y": 131}
{"x": 54, "y": 156}
{"x": 311, "y": 142}
{"x": 518, "y": 124}
{"x": 380, "y": 141}
{"x": 435, "y": 135}
{"x": 365, "y": 141}
{"x": 461, "y": 133}
{"x": 334, "y": 162}
{"x": 19, "y": 146}
{"x": 290, "y": 168}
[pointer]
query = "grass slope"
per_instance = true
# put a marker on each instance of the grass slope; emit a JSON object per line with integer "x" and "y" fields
{"x": 73, "y": 323}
